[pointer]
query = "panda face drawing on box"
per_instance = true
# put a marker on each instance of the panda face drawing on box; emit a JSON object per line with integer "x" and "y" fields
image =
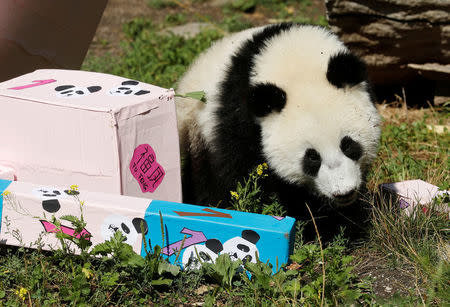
{"x": 290, "y": 95}
{"x": 50, "y": 197}
{"x": 243, "y": 247}
{"x": 129, "y": 87}
{"x": 72, "y": 91}
{"x": 131, "y": 229}
{"x": 207, "y": 252}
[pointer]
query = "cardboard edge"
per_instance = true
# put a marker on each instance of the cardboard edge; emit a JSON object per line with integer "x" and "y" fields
{"x": 93, "y": 109}
{"x": 117, "y": 151}
{"x": 4, "y": 184}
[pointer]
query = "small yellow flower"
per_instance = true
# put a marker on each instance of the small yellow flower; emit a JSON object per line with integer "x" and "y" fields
{"x": 74, "y": 187}
{"x": 259, "y": 170}
{"x": 234, "y": 195}
{"x": 265, "y": 166}
{"x": 22, "y": 292}
{"x": 6, "y": 193}
{"x": 88, "y": 273}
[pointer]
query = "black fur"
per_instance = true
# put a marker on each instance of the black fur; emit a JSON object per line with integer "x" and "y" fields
{"x": 346, "y": 69}
{"x": 266, "y": 98}
{"x": 311, "y": 162}
{"x": 237, "y": 148}
{"x": 237, "y": 133}
{"x": 351, "y": 148}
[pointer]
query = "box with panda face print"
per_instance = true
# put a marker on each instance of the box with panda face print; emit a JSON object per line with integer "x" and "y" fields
{"x": 192, "y": 234}
{"x": 101, "y": 132}
{"x": 413, "y": 195}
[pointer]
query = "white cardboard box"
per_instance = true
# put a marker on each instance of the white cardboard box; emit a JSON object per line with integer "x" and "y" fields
{"x": 101, "y": 132}
{"x": 412, "y": 193}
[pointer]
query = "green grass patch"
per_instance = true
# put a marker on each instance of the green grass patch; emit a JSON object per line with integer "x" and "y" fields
{"x": 152, "y": 57}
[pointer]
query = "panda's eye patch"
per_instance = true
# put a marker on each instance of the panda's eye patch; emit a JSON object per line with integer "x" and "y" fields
{"x": 311, "y": 162}
{"x": 204, "y": 256}
{"x": 125, "y": 228}
{"x": 243, "y": 248}
{"x": 265, "y": 98}
{"x": 247, "y": 258}
{"x": 351, "y": 148}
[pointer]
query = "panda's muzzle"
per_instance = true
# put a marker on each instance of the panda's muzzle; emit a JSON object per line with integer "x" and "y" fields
{"x": 346, "y": 198}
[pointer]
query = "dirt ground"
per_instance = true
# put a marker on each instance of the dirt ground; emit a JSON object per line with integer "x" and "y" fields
{"x": 386, "y": 281}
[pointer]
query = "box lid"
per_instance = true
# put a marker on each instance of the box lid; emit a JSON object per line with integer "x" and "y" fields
{"x": 87, "y": 90}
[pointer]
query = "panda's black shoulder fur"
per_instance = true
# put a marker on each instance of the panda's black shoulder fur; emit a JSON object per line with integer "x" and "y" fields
{"x": 238, "y": 137}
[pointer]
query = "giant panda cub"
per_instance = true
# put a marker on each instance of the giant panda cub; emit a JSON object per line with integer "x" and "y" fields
{"x": 290, "y": 95}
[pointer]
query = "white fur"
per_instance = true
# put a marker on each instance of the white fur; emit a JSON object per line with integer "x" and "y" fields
{"x": 205, "y": 74}
{"x": 316, "y": 115}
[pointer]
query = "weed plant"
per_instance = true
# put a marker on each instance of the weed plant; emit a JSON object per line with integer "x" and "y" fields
{"x": 411, "y": 150}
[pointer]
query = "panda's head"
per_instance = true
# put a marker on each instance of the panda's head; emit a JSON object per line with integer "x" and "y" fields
{"x": 129, "y": 87}
{"x": 72, "y": 91}
{"x": 310, "y": 97}
{"x": 196, "y": 254}
{"x": 243, "y": 247}
{"x": 132, "y": 229}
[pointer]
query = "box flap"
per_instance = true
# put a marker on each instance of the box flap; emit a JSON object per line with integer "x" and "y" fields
{"x": 86, "y": 90}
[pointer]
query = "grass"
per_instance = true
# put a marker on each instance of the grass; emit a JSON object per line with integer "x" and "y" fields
{"x": 317, "y": 275}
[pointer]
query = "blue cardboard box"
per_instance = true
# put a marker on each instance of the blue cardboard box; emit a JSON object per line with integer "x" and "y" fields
{"x": 193, "y": 234}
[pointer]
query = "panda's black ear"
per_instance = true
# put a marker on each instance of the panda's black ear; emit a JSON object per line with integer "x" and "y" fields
{"x": 130, "y": 82}
{"x": 265, "y": 98}
{"x": 63, "y": 87}
{"x": 94, "y": 89}
{"x": 140, "y": 225}
{"x": 250, "y": 235}
{"x": 51, "y": 205}
{"x": 346, "y": 69}
{"x": 214, "y": 245}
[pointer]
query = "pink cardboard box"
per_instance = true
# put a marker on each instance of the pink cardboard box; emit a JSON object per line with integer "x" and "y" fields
{"x": 101, "y": 132}
{"x": 411, "y": 193}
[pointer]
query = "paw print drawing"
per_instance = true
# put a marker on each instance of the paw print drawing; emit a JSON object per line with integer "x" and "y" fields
{"x": 72, "y": 91}
{"x": 129, "y": 87}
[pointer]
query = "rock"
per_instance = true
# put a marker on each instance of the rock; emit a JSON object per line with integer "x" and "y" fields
{"x": 397, "y": 38}
{"x": 188, "y": 30}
